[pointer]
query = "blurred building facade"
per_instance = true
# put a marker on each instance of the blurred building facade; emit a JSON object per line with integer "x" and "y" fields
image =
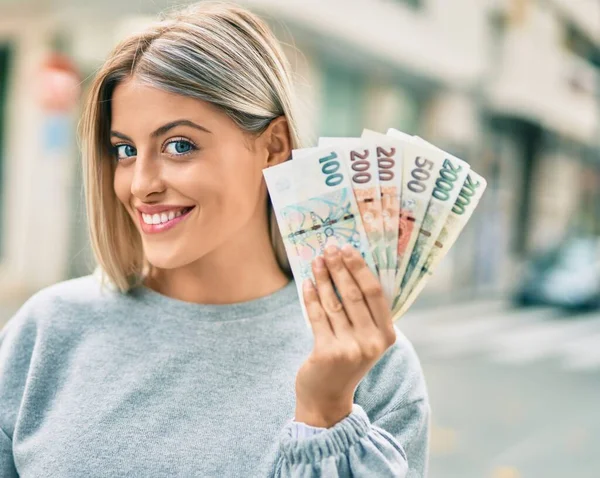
{"x": 511, "y": 86}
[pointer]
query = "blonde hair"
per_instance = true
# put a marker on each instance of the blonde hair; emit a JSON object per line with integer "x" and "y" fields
{"x": 216, "y": 52}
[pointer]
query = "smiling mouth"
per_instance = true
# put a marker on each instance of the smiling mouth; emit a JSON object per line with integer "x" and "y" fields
{"x": 164, "y": 217}
{"x": 153, "y": 223}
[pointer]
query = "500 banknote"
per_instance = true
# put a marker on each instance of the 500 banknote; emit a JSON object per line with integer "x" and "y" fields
{"x": 421, "y": 166}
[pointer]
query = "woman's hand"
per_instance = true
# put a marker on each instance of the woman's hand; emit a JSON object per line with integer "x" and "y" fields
{"x": 350, "y": 336}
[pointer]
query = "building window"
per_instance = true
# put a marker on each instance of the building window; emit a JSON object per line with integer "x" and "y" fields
{"x": 411, "y": 3}
{"x": 580, "y": 45}
{"x": 4, "y": 77}
{"x": 342, "y": 101}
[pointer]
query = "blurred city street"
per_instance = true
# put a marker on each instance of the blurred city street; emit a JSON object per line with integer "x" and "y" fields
{"x": 513, "y": 391}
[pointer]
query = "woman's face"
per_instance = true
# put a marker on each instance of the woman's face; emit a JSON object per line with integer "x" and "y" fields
{"x": 187, "y": 175}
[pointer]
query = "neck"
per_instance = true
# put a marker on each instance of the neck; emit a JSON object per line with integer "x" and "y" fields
{"x": 240, "y": 270}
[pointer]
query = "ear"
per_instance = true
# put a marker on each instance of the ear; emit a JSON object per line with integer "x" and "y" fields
{"x": 277, "y": 142}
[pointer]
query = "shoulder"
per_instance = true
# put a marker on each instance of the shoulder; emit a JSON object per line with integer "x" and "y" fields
{"x": 395, "y": 381}
{"x": 63, "y": 302}
{"x": 85, "y": 291}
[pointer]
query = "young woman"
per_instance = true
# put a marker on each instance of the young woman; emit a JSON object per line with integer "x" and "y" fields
{"x": 187, "y": 353}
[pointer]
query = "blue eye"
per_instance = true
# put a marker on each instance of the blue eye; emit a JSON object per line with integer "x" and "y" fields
{"x": 179, "y": 147}
{"x": 123, "y": 151}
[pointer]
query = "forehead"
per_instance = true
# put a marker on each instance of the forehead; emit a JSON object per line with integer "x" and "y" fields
{"x": 138, "y": 105}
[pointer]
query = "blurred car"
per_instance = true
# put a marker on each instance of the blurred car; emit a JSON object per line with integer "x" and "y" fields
{"x": 567, "y": 276}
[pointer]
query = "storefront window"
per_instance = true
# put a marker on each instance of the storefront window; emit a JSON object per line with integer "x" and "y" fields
{"x": 4, "y": 74}
{"x": 411, "y": 3}
{"x": 343, "y": 101}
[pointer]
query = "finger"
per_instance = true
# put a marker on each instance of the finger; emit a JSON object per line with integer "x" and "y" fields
{"x": 329, "y": 299}
{"x": 319, "y": 322}
{"x": 370, "y": 287}
{"x": 352, "y": 297}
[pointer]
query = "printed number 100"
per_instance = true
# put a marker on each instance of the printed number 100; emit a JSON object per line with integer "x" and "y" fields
{"x": 330, "y": 169}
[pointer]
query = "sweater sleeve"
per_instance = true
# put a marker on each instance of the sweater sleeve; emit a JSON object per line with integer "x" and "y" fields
{"x": 394, "y": 446}
{"x": 17, "y": 339}
{"x": 7, "y": 464}
{"x": 301, "y": 430}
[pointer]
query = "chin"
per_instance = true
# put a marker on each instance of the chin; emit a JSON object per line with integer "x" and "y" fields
{"x": 167, "y": 259}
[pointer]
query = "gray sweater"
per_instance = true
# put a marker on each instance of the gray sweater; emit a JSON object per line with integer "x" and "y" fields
{"x": 95, "y": 383}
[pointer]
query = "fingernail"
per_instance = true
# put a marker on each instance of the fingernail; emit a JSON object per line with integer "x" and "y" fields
{"x": 307, "y": 285}
{"x": 347, "y": 250}
{"x": 319, "y": 263}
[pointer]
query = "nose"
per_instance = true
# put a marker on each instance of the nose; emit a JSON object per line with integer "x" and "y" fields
{"x": 147, "y": 176}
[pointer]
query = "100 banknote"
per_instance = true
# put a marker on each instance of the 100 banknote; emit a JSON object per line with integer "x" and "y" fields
{"x": 315, "y": 207}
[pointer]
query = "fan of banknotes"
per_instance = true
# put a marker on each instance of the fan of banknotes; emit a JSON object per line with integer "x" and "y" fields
{"x": 399, "y": 200}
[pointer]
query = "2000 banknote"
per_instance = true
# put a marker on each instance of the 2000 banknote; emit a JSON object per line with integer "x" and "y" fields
{"x": 448, "y": 184}
{"x": 471, "y": 192}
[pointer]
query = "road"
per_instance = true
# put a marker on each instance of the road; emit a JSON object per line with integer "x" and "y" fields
{"x": 514, "y": 392}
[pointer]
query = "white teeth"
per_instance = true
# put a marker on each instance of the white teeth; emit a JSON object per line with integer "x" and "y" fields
{"x": 162, "y": 217}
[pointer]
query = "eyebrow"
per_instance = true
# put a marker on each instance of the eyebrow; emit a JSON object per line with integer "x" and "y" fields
{"x": 163, "y": 129}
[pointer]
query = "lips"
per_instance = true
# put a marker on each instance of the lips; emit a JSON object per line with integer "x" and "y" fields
{"x": 173, "y": 216}
{"x": 159, "y": 208}
{"x": 163, "y": 217}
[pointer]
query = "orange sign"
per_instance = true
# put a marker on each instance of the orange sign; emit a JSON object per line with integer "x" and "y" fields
{"x": 59, "y": 84}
